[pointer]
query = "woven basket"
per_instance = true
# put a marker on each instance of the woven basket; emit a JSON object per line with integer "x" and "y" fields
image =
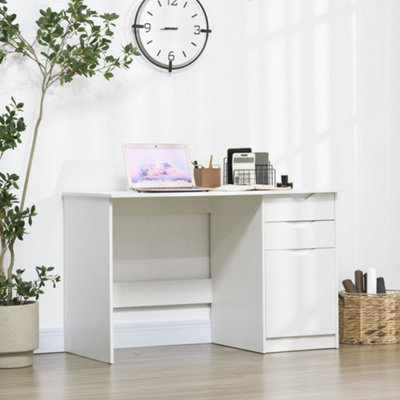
{"x": 369, "y": 318}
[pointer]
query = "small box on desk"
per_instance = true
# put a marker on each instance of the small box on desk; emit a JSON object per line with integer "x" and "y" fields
{"x": 207, "y": 177}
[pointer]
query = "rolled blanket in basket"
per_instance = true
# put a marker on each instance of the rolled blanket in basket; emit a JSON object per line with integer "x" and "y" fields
{"x": 359, "y": 281}
{"x": 349, "y": 286}
{"x": 380, "y": 285}
{"x": 371, "y": 280}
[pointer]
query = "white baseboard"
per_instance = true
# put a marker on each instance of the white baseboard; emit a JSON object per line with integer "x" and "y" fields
{"x": 51, "y": 340}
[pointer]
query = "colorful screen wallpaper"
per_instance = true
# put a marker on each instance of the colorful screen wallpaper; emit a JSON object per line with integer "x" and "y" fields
{"x": 158, "y": 165}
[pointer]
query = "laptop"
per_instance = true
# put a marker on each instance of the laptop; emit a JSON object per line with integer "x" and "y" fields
{"x": 159, "y": 168}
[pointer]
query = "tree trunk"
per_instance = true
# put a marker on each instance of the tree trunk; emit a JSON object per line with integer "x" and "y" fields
{"x": 32, "y": 153}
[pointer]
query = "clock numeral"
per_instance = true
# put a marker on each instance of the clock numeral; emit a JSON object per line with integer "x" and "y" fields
{"x": 171, "y": 56}
{"x": 197, "y": 29}
{"x": 147, "y": 26}
{"x": 172, "y": 2}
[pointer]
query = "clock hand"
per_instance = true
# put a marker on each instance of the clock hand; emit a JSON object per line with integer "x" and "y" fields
{"x": 170, "y": 28}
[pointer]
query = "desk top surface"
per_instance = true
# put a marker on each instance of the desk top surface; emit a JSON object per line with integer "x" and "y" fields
{"x": 129, "y": 194}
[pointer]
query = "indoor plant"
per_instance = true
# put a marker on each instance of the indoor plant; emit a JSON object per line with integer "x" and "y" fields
{"x": 74, "y": 41}
{"x": 19, "y": 323}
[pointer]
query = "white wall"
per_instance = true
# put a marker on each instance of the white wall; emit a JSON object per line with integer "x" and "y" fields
{"x": 313, "y": 82}
{"x": 378, "y": 139}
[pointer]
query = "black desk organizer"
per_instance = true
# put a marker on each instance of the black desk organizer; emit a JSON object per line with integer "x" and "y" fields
{"x": 262, "y": 175}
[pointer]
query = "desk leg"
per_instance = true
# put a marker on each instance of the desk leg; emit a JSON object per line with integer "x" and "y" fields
{"x": 237, "y": 264}
{"x": 88, "y": 277}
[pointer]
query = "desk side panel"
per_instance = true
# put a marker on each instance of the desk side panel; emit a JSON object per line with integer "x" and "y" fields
{"x": 88, "y": 277}
{"x": 237, "y": 260}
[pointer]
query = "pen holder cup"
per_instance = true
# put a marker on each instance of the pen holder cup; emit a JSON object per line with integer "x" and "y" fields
{"x": 207, "y": 177}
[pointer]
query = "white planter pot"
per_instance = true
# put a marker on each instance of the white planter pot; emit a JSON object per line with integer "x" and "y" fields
{"x": 19, "y": 335}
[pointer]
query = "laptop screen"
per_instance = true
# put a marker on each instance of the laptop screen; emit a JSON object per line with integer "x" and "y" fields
{"x": 157, "y": 165}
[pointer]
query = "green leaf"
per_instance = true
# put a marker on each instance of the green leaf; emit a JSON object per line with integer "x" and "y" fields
{"x": 108, "y": 75}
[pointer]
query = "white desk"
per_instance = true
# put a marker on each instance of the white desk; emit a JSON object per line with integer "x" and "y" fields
{"x": 273, "y": 284}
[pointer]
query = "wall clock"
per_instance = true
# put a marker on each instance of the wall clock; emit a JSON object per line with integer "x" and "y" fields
{"x": 171, "y": 34}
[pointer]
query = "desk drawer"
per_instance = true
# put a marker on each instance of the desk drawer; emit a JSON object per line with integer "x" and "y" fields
{"x": 299, "y": 235}
{"x": 299, "y": 207}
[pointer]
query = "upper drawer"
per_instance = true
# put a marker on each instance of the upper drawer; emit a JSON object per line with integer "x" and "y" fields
{"x": 299, "y": 235}
{"x": 299, "y": 207}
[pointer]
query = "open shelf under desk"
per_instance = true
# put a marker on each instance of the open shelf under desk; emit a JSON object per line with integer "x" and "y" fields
{"x": 161, "y": 293}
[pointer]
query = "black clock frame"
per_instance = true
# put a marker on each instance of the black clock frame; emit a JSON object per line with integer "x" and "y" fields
{"x": 169, "y": 67}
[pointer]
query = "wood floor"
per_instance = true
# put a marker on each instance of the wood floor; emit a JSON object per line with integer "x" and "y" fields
{"x": 211, "y": 372}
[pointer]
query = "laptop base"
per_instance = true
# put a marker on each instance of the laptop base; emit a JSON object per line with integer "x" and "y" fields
{"x": 171, "y": 190}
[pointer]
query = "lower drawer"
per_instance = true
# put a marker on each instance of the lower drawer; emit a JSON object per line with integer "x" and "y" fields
{"x": 301, "y": 292}
{"x": 299, "y": 235}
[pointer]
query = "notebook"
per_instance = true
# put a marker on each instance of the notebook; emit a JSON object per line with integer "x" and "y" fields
{"x": 159, "y": 168}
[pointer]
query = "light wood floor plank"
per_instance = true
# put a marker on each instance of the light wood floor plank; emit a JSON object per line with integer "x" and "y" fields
{"x": 203, "y": 372}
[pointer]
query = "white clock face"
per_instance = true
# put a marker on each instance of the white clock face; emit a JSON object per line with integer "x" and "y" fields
{"x": 171, "y": 33}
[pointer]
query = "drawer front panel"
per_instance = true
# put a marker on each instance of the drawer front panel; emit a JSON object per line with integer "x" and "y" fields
{"x": 299, "y": 235}
{"x": 301, "y": 207}
{"x": 300, "y": 293}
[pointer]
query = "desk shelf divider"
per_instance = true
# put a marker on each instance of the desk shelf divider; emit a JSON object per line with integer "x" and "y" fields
{"x": 162, "y": 293}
